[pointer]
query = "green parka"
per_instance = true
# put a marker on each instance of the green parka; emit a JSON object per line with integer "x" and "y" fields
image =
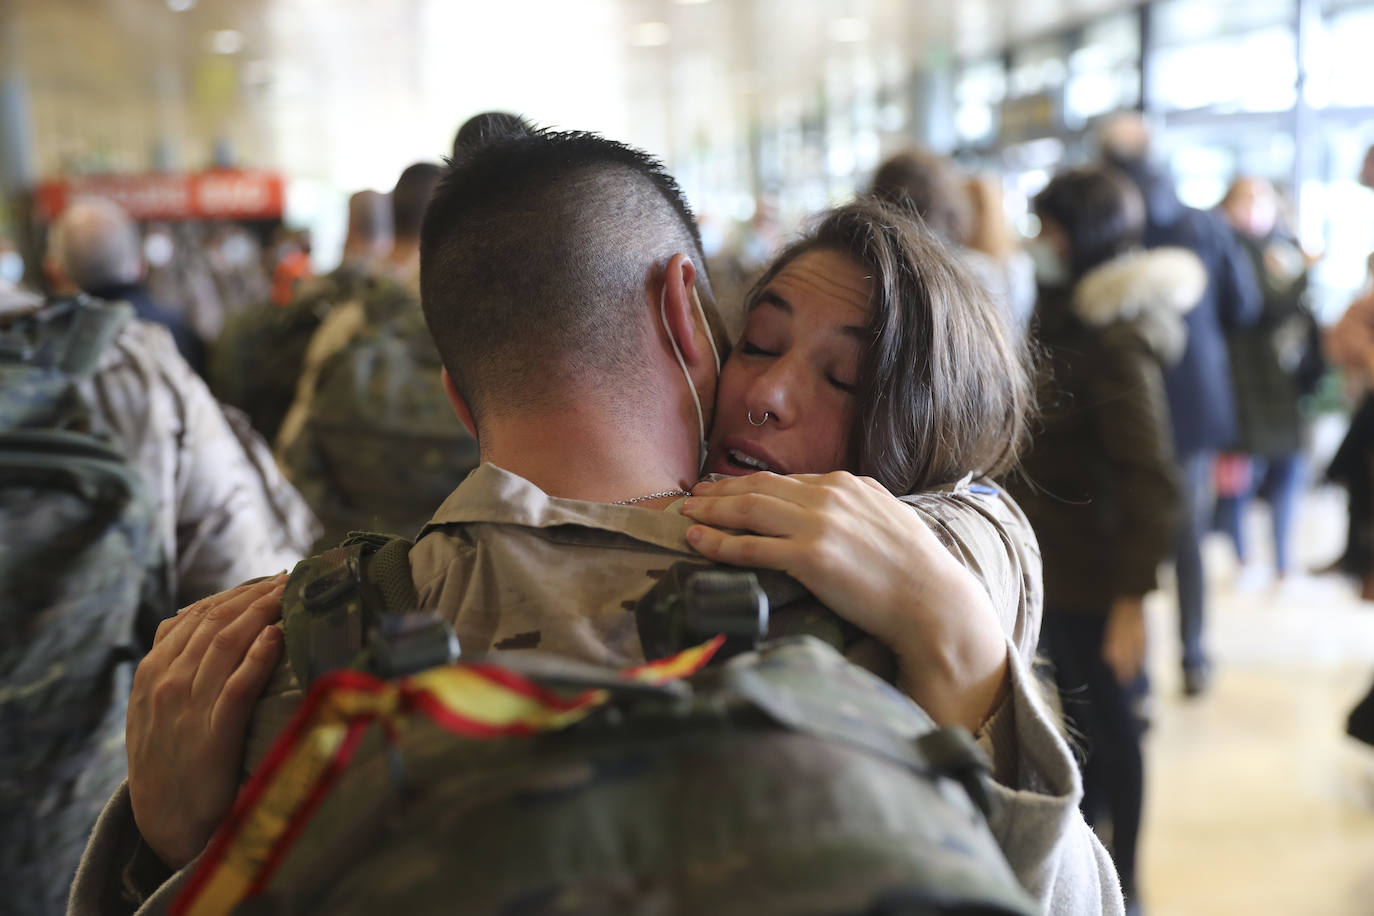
{"x": 1100, "y": 482}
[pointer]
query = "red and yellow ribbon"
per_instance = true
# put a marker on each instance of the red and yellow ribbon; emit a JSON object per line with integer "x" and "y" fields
{"x": 477, "y": 700}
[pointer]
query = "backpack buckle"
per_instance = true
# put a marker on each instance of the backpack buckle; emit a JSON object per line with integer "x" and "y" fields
{"x": 691, "y": 605}
{"x": 404, "y": 644}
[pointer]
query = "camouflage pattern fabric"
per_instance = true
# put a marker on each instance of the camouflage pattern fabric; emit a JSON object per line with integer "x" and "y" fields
{"x": 380, "y": 446}
{"x": 83, "y": 585}
{"x": 783, "y": 781}
{"x": 259, "y": 355}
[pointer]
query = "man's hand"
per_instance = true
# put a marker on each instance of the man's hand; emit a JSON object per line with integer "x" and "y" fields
{"x": 189, "y": 710}
{"x": 871, "y": 559}
{"x": 1123, "y": 640}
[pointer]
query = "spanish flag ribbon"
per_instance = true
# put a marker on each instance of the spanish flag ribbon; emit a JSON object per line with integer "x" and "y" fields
{"x": 479, "y": 700}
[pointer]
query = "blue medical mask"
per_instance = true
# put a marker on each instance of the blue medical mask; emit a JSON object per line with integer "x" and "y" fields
{"x": 677, "y": 351}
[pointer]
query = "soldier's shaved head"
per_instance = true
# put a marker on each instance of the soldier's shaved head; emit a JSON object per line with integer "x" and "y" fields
{"x": 96, "y": 245}
{"x": 536, "y": 255}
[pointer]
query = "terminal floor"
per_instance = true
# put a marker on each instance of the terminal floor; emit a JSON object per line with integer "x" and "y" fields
{"x": 1256, "y": 802}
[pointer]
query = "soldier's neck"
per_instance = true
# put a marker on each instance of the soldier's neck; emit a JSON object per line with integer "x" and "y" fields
{"x": 586, "y": 453}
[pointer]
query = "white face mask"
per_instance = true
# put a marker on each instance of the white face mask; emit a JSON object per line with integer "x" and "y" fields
{"x": 158, "y": 250}
{"x": 1050, "y": 268}
{"x": 691, "y": 388}
{"x": 11, "y": 267}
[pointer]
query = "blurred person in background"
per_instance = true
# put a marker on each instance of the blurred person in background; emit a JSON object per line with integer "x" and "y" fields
{"x": 257, "y": 361}
{"x": 967, "y": 216}
{"x": 224, "y": 510}
{"x": 1100, "y": 486}
{"x": 291, "y": 267}
{"x": 94, "y": 247}
{"x": 1350, "y": 346}
{"x": 368, "y": 392}
{"x": 1274, "y": 364}
{"x": 1201, "y": 399}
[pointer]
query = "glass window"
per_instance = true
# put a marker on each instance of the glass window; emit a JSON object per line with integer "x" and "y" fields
{"x": 1190, "y": 22}
{"x": 1037, "y": 68}
{"x": 978, "y": 93}
{"x": 1339, "y": 55}
{"x": 1104, "y": 72}
{"x": 1255, "y": 71}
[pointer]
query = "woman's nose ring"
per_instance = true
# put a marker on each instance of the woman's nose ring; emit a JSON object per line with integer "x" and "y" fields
{"x": 752, "y": 422}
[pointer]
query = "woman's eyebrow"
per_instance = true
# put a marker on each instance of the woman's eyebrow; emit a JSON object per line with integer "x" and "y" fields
{"x": 771, "y": 298}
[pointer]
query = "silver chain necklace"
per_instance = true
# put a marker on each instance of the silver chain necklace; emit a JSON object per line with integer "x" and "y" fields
{"x": 644, "y": 499}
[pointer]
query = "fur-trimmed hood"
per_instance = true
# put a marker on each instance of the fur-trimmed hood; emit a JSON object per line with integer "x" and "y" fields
{"x": 1151, "y": 289}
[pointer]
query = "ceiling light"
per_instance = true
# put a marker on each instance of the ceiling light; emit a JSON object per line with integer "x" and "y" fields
{"x": 226, "y": 41}
{"x": 850, "y": 28}
{"x": 180, "y": 6}
{"x": 650, "y": 34}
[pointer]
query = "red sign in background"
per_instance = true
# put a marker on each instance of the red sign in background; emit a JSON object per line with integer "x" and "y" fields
{"x": 218, "y": 194}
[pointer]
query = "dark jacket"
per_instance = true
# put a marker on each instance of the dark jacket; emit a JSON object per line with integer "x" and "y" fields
{"x": 189, "y": 344}
{"x": 1269, "y": 360}
{"x": 1100, "y": 485}
{"x": 1201, "y": 399}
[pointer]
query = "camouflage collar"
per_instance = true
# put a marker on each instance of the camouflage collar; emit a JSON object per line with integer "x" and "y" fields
{"x": 493, "y": 495}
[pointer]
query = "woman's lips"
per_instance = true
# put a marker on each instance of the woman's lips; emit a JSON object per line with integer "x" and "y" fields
{"x": 739, "y": 457}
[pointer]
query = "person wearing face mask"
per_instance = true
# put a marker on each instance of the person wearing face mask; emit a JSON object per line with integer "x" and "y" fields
{"x": 559, "y": 279}
{"x": 1100, "y": 486}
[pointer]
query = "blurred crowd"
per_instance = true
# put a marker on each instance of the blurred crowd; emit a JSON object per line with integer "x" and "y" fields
{"x": 1180, "y": 369}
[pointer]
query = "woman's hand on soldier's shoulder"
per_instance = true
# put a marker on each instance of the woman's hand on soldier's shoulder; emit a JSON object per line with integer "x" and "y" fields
{"x": 871, "y": 559}
{"x": 192, "y": 697}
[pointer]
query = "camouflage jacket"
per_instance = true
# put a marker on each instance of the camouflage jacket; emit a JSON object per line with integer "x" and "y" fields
{"x": 223, "y": 509}
{"x": 513, "y": 568}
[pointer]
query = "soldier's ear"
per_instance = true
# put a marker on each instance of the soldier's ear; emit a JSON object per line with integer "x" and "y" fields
{"x": 460, "y": 406}
{"x": 678, "y": 279}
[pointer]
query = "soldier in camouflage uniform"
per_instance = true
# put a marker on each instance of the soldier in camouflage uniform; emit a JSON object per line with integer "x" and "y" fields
{"x": 367, "y": 395}
{"x": 546, "y": 546}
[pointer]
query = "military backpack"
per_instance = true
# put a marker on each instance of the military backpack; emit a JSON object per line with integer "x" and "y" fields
{"x": 380, "y": 446}
{"x": 736, "y": 776}
{"x": 83, "y": 585}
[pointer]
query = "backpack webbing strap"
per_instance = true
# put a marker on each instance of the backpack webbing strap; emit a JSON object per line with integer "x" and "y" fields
{"x": 93, "y": 328}
{"x": 355, "y": 607}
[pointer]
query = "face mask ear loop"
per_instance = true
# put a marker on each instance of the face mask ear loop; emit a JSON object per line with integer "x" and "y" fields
{"x": 691, "y": 388}
{"x": 710, "y": 338}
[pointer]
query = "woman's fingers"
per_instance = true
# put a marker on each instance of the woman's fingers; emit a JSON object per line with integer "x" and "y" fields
{"x": 226, "y": 649}
{"x": 741, "y": 549}
{"x": 759, "y": 513}
{"x": 235, "y": 705}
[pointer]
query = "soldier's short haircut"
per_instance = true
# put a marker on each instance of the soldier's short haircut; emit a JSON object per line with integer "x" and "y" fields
{"x": 97, "y": 245}
{"x": 410, "y": 196}
{"x": 536, "y": 255}
{"x": 486, "y": 127}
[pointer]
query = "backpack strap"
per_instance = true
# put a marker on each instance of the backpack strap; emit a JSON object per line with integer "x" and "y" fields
{"x": 68, "y": 336}
{"x": 355, "y": 607}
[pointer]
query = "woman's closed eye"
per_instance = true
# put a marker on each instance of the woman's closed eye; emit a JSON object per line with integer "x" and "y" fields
{"x": 749, "y": 348}
{"x": 846, "y": 387}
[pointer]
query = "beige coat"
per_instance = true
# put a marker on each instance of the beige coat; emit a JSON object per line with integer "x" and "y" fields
{"x": 511, "y": 568}
{"x": 224, "y": 509}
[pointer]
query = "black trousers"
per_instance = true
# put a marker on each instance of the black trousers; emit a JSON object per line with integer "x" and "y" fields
{"x": 1101, "y": 718}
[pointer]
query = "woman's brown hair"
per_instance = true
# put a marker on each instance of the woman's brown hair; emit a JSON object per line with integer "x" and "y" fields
{"x": 944, "y": 385}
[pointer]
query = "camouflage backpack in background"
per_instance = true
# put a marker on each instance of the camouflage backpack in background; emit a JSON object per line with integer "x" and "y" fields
{"x": 782, "y": 780}
{"x": 258, "y": 357}
{"x": 381, "y": 446}
{"x": 83, "y": 585}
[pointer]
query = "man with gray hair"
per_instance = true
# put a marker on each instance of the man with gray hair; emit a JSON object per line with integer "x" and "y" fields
{"x": 94, "y": 247}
